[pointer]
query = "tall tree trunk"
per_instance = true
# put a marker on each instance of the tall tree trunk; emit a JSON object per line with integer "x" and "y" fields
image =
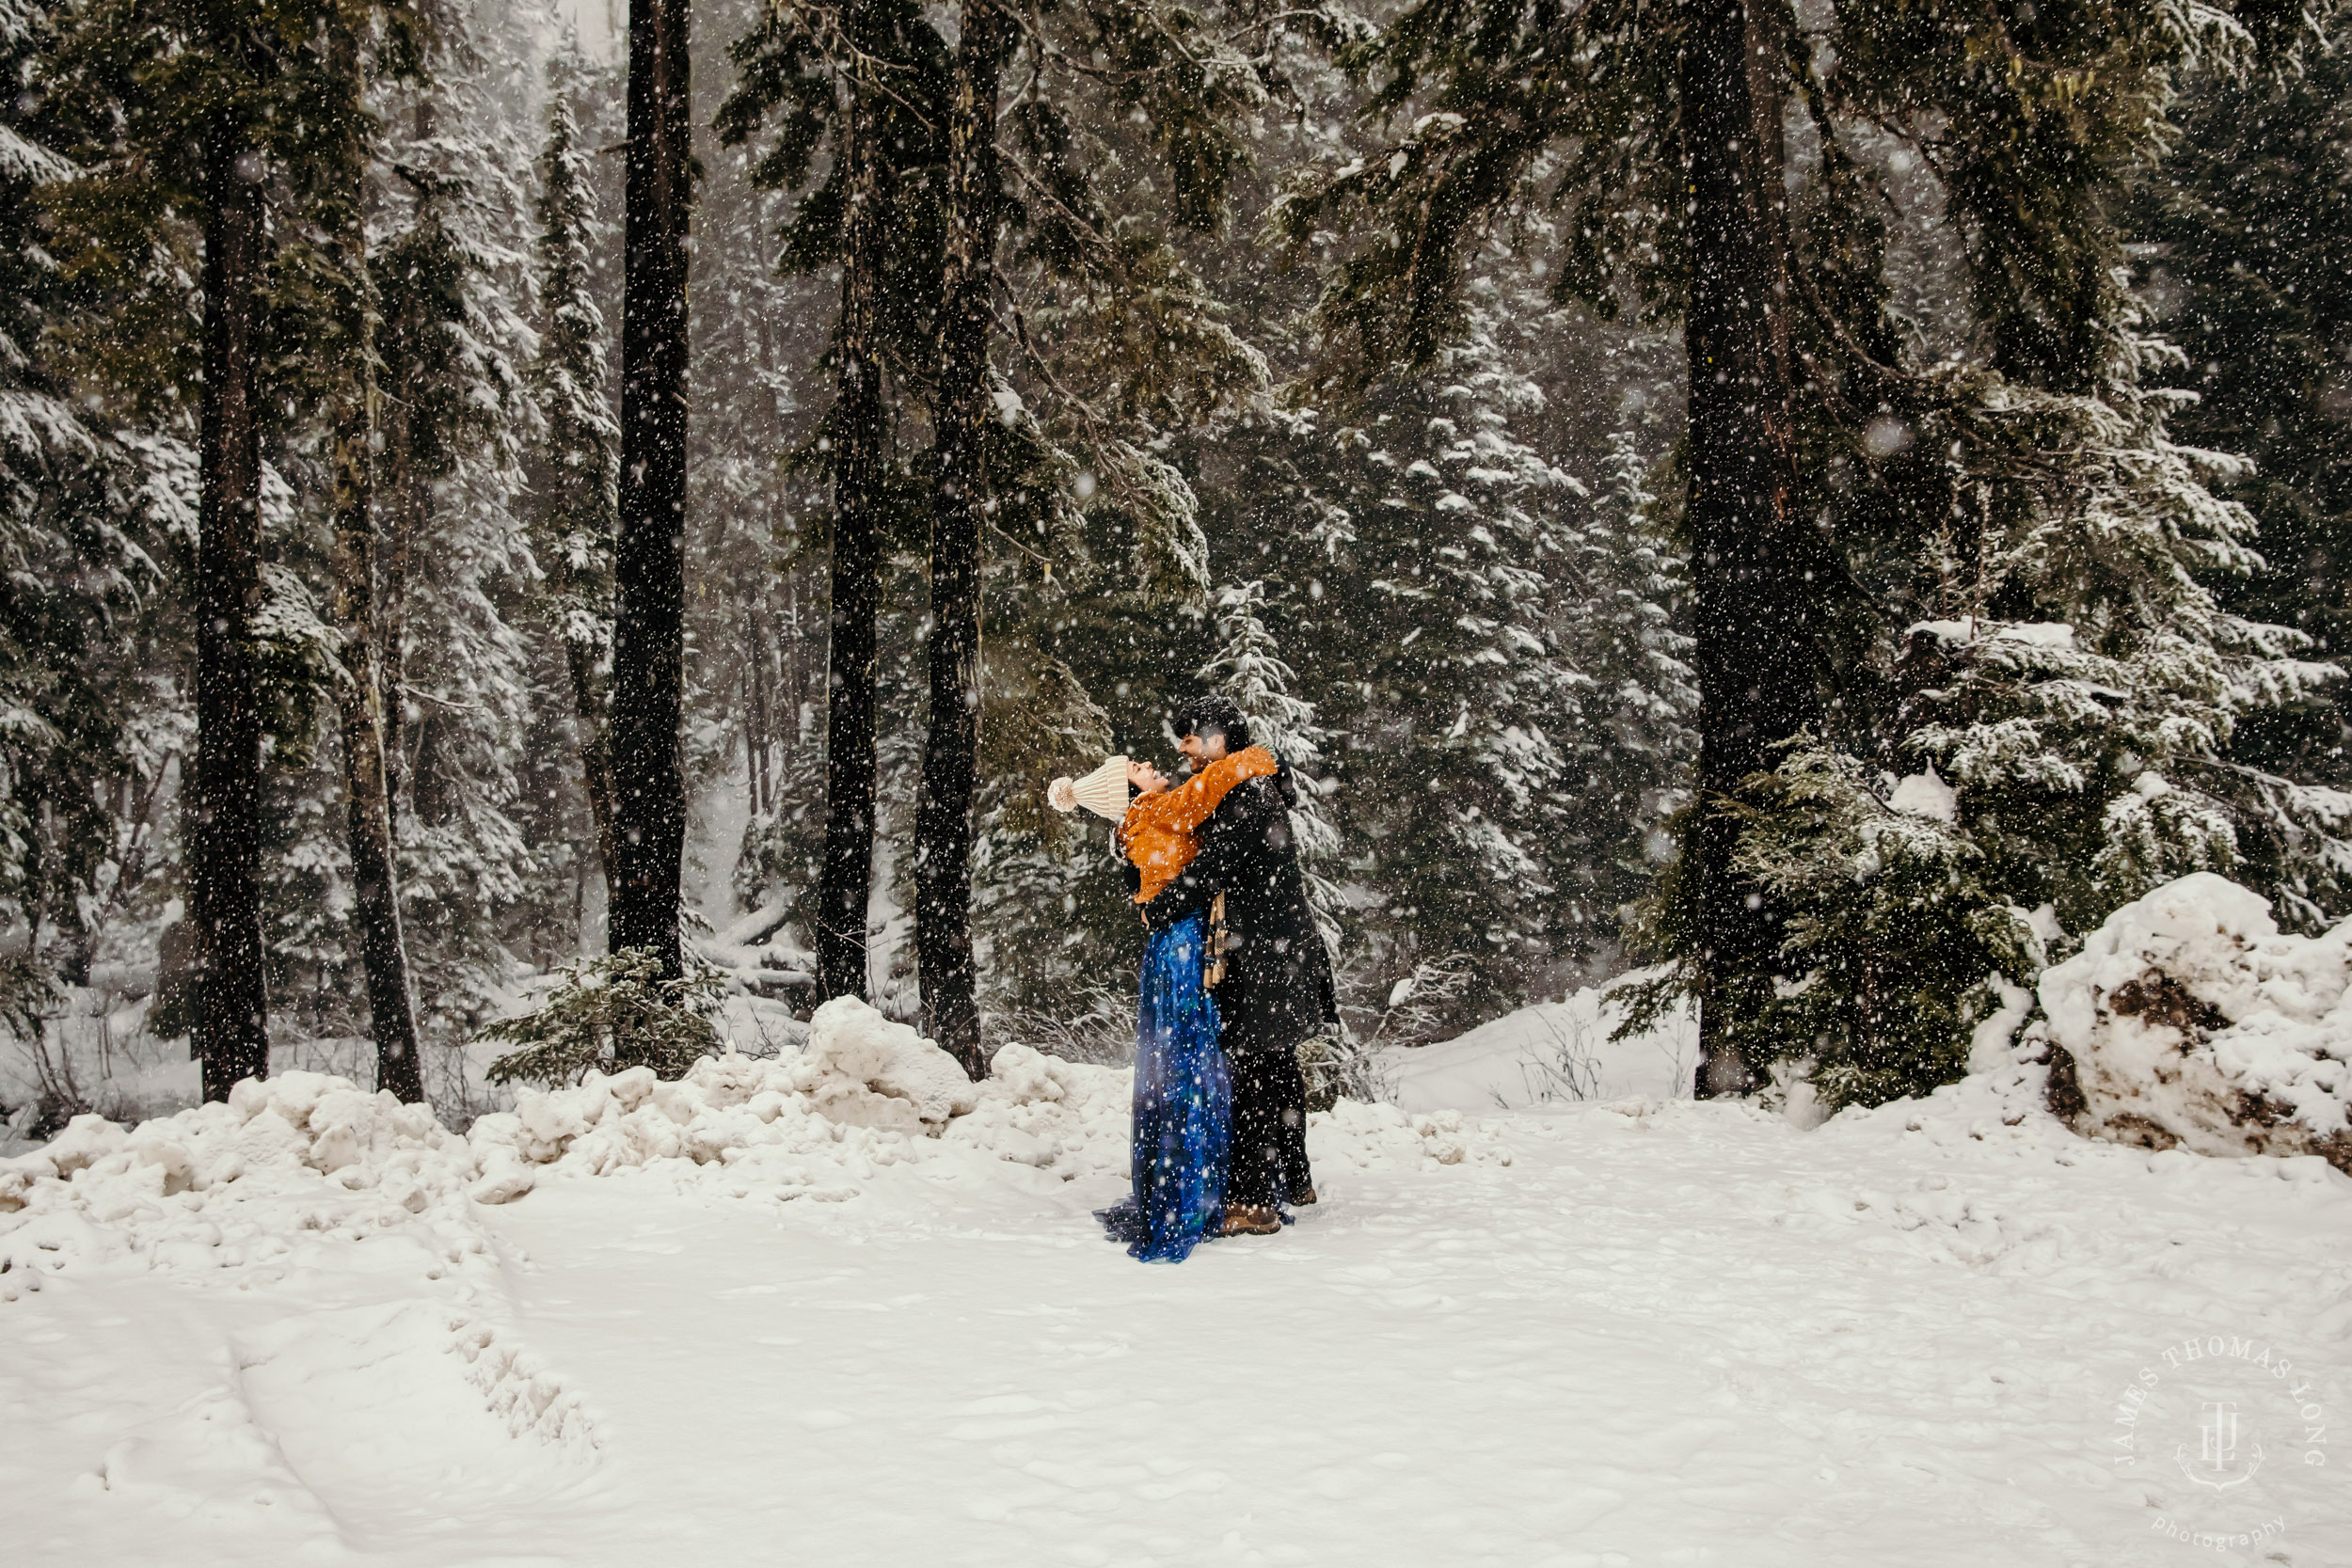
{"x": 1750, "y": 552}
{"x": 943, "y": 823}
{"x": 360, "y": 711}
{"x": 649, "y": 556}
{"x": 225, "y": 788}
{"x": 596, "y": 760}
{"x": 411, "y": 512}
{"x": 765, "y": 672}
{"x": 757, "y": 731}
{"x": 846, "y": 881}
{"x": 359, "y": 701}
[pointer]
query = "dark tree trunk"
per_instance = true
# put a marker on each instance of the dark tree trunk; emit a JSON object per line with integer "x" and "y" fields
{"x": 650, "y": 557}
{"x": 943, "y": 824}
{"x": 762, "y": 712}
{"x": 225, "y": 789}
{"x": 755, "y": 722}
{"x": 361, "y": 697}
{"x": 359, "y": 704}
{"x": 411, "y": 512}
{"x": 856, "y": 431}
{"x": 1750, "y": 552}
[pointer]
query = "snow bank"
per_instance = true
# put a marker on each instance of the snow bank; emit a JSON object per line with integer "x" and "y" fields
{"x": 285, "y": 1165}
{"x": 2189, "y": 1020}
{"x": 308, "y": 1159}
{"x": 1041, "y": 1111}
{"x": 864, "y": 1092}
{"x": 1552, "y": 1053}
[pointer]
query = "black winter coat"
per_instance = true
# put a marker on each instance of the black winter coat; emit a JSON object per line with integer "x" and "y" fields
{"x": 1278, "y": 975}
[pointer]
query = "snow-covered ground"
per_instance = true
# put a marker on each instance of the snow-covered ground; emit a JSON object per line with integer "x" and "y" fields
{"x": 1553, "y": 1053}
{"x": 1646, "y": 1331}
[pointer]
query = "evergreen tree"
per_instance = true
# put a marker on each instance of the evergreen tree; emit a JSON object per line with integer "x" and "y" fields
{"x": 87, "y": 733}
{"x": 857, "y": 435}
{"x": 1442, "y": 540}
{"x": 224, "y": 786}
{"x": 1615, "y": 115}
{"x": 347, "y": 276}
{"x": 756, "y": 670}
{"x": 196, "y": 109}
{"x": 2062, "y": 759}
{"x": 874, "y": 219}
{"x": 1756, "y": 559}
{"x": 1662, "y": 150}
{"x": 577, "y": 462}
{"x": 454, "y": 277}
{"x": 1249, "y": 667}
{"x": 1118, "y": 346}
{"x": 2248, "y": 224}
{"x": 1183, "y": 77}
{"x": 1630, "y": 746}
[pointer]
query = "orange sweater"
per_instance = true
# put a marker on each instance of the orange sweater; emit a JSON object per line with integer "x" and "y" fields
{"x": 1157, "y": 832}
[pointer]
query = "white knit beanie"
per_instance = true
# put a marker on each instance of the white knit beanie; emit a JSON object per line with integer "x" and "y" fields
{"x": 1103, "y": 792}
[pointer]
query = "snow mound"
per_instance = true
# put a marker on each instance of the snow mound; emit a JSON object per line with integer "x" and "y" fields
{"x": 286, "y": 1164}
{"x": 306, "y": 1161}
{"x": 1553, "y": 1053}
{"x": 856, "y": 1057}
{"x": 865, "y": 1092}
{"x": 307, "y": 1158}
{"x": 1373, "y": 1136}
{"x": 2189, "y": 1020}
{"x": 1041, "y": 1111}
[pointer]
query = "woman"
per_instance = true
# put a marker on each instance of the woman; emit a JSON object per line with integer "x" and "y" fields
{"x": 1182, "y": 1100}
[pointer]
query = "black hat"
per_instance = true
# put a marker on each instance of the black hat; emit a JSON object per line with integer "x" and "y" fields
{"x": 1202, "y": 714}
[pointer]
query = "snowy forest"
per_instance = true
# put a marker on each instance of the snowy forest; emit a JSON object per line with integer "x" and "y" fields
{"x": 1815, "y": 507}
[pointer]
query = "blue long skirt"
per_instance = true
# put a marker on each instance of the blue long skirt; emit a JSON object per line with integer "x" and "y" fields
{"x": 1184, "y": 1106}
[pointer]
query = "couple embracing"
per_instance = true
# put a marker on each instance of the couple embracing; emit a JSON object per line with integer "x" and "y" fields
{"x": 1235, "y": 979}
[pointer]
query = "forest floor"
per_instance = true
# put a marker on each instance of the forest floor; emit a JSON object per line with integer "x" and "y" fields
{"x": 1664, "y": 1333}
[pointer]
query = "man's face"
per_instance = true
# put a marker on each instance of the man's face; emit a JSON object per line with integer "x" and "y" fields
{"x": 1202, "y": 750}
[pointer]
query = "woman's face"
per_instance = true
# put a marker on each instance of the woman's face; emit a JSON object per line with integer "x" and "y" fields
{"x": 1146, "y": 777}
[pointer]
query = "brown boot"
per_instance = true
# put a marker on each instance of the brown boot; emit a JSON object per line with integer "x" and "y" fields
{"x": 1246, "y": 1221}
{"x": 1302, "y": 1197}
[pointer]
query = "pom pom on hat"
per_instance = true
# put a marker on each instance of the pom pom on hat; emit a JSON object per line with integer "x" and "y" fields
{"x": 1103, "y": 792}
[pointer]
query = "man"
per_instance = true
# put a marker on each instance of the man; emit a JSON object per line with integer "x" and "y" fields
{"x": 1277, "y": 991}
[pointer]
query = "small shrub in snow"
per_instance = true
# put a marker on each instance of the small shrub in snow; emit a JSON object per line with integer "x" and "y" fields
{"x": 610, "y": 1014}
{"x": 1890, "y": 932}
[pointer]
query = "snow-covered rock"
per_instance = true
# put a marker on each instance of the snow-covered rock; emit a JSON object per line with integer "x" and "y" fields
{"x": 2189, "y": 1020}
